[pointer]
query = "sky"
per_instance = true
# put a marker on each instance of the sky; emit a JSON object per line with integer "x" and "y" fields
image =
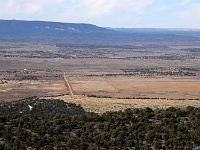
{"x": 107, "y": 13}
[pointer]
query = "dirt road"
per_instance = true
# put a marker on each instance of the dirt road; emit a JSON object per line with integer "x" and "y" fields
{"x": 68, "y": 84}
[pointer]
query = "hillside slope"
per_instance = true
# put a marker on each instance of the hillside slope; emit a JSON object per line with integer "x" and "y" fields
{"x": 43, "y": 28}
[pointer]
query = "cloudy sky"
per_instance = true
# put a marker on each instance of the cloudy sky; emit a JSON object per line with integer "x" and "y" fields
{"x": 107, "y": 13}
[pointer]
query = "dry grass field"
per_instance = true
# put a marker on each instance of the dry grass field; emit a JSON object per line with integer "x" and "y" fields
{"x": 101, "y": 105}
{"x": 14, "y": 90}
{"x": 169, "y": 88}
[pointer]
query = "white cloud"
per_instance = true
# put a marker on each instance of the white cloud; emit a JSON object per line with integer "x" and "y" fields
{"x": 113, "y": 6}
{"x": 100, "y": 8}
{"x": 106, "y": 12}
{"x": 189, "y": 17}
{"x": 32, "y": 8}
{"x": 191, "y": 12}
{"x": 185, "y": 2}
{"x": 135, "y": 5}
{"x": 91, "y": 11}
{"x": 96, "y": 8}
{"x": 162, "y": 8}
{"x": 14, "y": 7}
{"x": 80, "y": 8}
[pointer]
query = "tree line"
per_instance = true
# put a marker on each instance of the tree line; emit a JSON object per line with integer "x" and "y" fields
{"x": 54, "y": 124}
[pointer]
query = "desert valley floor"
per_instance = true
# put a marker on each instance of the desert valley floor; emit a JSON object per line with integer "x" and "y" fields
{"x": 160, "y": 76}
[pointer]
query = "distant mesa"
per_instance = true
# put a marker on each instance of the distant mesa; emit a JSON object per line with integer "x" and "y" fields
{"x": 88, "y": 33}
{"x": 44, "y": 28}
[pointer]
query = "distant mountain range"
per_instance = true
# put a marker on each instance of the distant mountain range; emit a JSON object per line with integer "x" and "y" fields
{"x": 43, "y": 28}
{"x": 88, "y": 33}
{"x": 154, "y": 30}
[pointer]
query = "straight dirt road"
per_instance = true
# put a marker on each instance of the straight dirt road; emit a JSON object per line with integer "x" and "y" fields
{"x": 68, "y": 84}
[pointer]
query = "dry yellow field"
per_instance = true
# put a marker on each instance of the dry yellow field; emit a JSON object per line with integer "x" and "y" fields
{"x": 116, "y": 87}
{"x": 170, "y": 88}
{"x": 14, "y": 90}
{"x": 101, "y": 105}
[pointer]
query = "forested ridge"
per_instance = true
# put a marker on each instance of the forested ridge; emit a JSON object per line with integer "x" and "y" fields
{"x": 33, "y": 123}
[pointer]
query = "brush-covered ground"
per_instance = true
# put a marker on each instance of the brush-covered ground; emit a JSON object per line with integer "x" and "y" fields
{"x": 34, "y": 123}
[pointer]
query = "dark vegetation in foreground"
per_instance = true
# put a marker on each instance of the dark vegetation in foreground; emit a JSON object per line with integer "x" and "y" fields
{"x": 53, "y": 124}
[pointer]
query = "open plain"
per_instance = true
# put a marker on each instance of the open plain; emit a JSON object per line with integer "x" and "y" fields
{"x": 155, "y": 73}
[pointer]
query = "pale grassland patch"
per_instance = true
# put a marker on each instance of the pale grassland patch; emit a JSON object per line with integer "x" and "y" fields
{"x": 101, "y": 105}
